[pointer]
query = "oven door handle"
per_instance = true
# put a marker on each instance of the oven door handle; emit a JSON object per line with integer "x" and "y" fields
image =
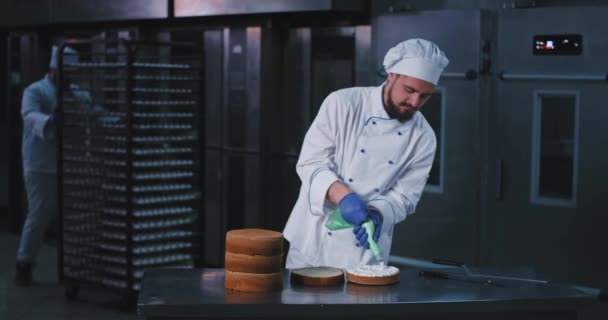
{"x": 554, "y": 76}
{"x": 465, "y": 75}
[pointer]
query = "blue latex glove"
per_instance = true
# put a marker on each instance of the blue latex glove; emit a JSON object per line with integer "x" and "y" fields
{"x": 353, "y": 209}
{"x": 361, "y": 234}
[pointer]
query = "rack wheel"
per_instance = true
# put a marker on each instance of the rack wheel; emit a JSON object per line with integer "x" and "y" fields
{"x": 71, "y": 292}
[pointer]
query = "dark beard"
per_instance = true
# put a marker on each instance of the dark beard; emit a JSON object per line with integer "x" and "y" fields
{"x": 393, "y": 111}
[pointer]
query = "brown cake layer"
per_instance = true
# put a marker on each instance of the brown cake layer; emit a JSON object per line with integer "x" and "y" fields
{"x": 254, "y": 242}
{"x": 253, "y": 282}
{"x": 252, "y": 264}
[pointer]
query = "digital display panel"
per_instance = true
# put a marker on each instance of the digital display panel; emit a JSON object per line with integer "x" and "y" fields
{"x": 561, "y": 44}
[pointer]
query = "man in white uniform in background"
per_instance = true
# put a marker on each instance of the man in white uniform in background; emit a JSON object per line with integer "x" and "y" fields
{"x": 368, "y": 151}
{"x": 39, "y": 164}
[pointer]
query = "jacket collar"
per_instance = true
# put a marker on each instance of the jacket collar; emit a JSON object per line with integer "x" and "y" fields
{"x": 383, "y": 122}
{"x": 378, "y": 102}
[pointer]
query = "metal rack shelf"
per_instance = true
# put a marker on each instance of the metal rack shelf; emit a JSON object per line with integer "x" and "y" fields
{"x": 129, "y": 188}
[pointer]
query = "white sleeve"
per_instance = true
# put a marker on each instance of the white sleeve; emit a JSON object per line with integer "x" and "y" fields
{"x": 316, "y": 167}
{"x": 401, "y": 199}
{"x": 33, "y": 119}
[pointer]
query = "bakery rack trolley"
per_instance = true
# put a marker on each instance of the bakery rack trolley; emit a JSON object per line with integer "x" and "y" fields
{"x": 129, "y": 159}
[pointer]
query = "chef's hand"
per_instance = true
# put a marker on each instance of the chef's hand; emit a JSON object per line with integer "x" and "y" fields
{"x": 54, "y": 118}
{"x": 50, "y": 125}
{"x": 361, "y": 233}
{"x": 353, "y": 209}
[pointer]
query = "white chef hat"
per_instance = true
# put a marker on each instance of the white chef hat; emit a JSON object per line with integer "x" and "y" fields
{"x": 69, "y": 56}
{"x": 416, "y": 58}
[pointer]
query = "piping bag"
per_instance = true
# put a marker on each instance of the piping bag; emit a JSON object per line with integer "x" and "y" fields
{"x": 336, "y": 222}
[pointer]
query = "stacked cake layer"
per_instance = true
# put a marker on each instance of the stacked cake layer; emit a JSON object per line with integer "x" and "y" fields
{"x": 253, "y": 260}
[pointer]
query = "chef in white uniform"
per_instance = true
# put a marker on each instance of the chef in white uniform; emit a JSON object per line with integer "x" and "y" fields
{"x": 39, "y": 163}
{"x": 368, "y": 151}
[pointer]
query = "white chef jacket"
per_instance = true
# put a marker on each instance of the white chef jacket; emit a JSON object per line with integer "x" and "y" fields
{"x": 38, "y": 144}
{"x": 386, "y": 162}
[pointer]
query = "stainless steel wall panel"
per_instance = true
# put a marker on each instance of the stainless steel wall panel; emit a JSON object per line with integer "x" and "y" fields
{"x": 192, "y": 8}
{"x": 329, "y": 76}
{"x": 232, "y": 117}
{"x": 559, "y": 236}
{"x": 364, "y": 67}
{"x": 293, "y": 113}
{"x": 241, "y": 190}
{"x": 253, "y": 76}
{"x": 235, "y": 84}
{"x": 488, "y": 130}
{"x": 242, "y": 83}
{"x": 213, "y": 111}
{"x": 332, "y": 63}
{"x": 457, "y": 22}
{"x": 517, "y": 39}
{"x": 214, "y": 219}
{"x": 213, "y": 46}
{"x": 286, "y": 183}
{"x": 65, "y": 11}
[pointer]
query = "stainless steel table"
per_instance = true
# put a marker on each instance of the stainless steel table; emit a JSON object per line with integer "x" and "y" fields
{"x": 200, "y": 294}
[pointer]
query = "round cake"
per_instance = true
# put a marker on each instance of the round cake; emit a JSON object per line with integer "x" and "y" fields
{"x": 253, "y": 263}
{"x": 373, "y": 275}
{"x": 317, "y": 276}
{"x": 253, "y": 282}
{"x": 254, "y": 242}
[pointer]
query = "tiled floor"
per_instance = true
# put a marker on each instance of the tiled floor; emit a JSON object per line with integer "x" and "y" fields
{"x": 46, "y": 298}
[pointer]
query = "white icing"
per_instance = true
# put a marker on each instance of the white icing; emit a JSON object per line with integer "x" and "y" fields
{"x": 378, "y": 270}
